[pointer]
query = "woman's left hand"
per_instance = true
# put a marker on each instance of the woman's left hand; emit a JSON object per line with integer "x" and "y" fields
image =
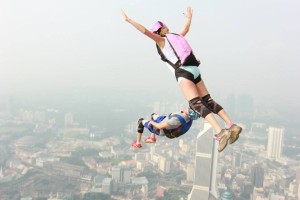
{"x": 188, "y": 13}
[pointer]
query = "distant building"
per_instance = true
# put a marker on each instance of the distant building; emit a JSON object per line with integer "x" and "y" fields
{"x": 64, "y": 169}
{"x": 257, "y": 193}
{"x": 39, "y": 116}
{"x": 190, "y": 172}
{"x": 97, "y": 182}
{"x": 121, "y": 174}
{"x": 237, "y": 159}
{"x": 116, "y": 173}
{"x": 140, "y": 187}
{"x": 107, "y": 186}
{"x": 257, "y": 176}
{"x": 164, "y": 164}
{"x": 276, "y": 197}
{"x": 293, "y": 188}
{"x": 125, "y": 175}
{"x": 152, "y": 149}
{"x": 26, "y": 115}
{"x": 275, "y": 139}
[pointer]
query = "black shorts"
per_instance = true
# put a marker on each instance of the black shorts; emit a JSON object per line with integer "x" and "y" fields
{"x": 191, "y": 73}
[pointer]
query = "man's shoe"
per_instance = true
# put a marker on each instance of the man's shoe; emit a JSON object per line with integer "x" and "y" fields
{"x": 135, "y": 145}
{"x": 150, "y": 139}
{"x": 223, "y": 138}
{"x": 235, "y": 130}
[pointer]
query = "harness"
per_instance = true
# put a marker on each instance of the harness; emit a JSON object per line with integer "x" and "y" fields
{"x": 181, "y": 49}
{"x": 182, "y": 129}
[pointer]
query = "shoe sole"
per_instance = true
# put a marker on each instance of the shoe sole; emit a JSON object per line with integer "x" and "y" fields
{"x": 135, "y": 147}
{"x": 237, "y": 137}
{"x": 150, "y": 142}
{"x": 220, "y": 150}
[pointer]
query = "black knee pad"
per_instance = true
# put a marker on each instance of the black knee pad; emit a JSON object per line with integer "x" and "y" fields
{"x": 211, "y": 104}
{"x": 140, "y": 128}
{"x": 199, "y": 107}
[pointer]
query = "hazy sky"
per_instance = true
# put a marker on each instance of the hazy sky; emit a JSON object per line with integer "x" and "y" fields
{"x": 245, "y": 46}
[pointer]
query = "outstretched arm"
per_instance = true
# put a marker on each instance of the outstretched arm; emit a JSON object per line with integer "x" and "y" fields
{"x": 188, "y": 15}
{"x": 142, "y": 29}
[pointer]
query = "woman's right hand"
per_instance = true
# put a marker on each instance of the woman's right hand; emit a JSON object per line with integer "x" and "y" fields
{"x": 125, "y": 17}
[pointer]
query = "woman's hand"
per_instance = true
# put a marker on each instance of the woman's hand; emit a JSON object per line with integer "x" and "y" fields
{"x": 189, "y": 13}
{"x": 125, "y": 17}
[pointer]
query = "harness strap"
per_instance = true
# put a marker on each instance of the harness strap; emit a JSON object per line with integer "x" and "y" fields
{"x": 183, "y": 128}
{"x": 163, "y": 57}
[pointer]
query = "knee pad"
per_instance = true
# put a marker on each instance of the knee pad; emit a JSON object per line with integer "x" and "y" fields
{"x": 211, "y": 104}
{"x": 197, "y": 106}
{"x": 140, "y": 128}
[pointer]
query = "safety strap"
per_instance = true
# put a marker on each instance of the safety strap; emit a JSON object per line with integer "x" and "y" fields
{"x": 184, "y": 126}
{"x": 163, "y": 57}
{"x": 182, "y": 129}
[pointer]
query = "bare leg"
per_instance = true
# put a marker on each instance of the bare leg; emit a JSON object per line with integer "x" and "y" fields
{"x": 138, "y": 138}
{"x": 152, "y": 135}
{"x": 225, "y": 118}
{"x": 202, "y": 90}
{"x": 190, "y": 91}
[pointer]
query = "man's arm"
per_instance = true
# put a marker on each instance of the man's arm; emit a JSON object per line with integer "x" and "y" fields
{"x": 142, "y": 29}
{"x": 188, "y": 15}
{"x": 161, "y": 125}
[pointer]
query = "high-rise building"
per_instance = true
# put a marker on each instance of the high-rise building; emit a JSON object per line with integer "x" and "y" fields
{"x": 293, "y": 188}
{"x": 275, "y": 139}
{"x": 125, "y": 175}
{"x": 164, "y": 164}
{"x": 116, "y": 173}
{"x": 121, "y": 174}
{"x": 204, "y": 186}
{"x": 257, "y": 176}
{"x": 152, "y": 149}
{"x": 257, "y": 193}
{"x": 106, "y": 186}
{"x": 237, "y": 159}
{"x": 97, "y": 182}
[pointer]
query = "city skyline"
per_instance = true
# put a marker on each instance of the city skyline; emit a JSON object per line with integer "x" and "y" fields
{"x": 50, "y": 142}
